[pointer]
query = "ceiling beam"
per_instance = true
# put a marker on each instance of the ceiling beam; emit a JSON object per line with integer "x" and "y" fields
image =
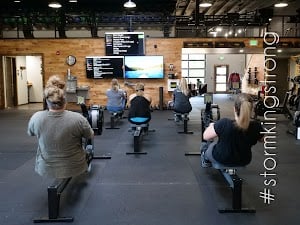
{"x": 181, "y": 6}
{"x": 255, "y": 5}
{"x": 225, "y": 8}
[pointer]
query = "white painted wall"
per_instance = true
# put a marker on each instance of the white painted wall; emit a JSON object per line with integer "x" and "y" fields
{"x": 34, "y": 76}
{"x": 236, "y": 62}
{"x": 21, "y": 80}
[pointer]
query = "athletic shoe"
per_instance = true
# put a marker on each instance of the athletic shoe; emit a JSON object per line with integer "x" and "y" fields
{"x": 204, "y": 163}
{"x": 89, "y": 154}
{"x": 89, "y": 168}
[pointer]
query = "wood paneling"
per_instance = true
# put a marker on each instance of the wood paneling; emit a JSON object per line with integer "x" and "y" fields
{"x": 55, "y": 51}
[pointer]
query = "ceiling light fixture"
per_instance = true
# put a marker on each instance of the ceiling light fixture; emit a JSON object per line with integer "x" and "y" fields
{"x": 129, "y": 4}
{"x": 205, "y": 4}
{"x": 54, "y": 5}
{"x": 281, "y": 5}
{"x": 72, "y": 1}
{"x": 219, "y": 29}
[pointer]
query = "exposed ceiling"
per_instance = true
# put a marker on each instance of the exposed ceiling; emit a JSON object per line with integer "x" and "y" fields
{"x": 222, "y": 7}
{"x": 234, "y": 12}
{"x": 107, "y": 6}
{"x": 175, "y": 7}
{"x": 165, "y": 13}
{"x": 27, "y": 14}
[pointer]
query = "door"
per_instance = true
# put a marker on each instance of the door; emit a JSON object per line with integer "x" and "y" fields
{"x": 2, "y": 99}
{"x": 10, "y": 82}
{"x": 221, "y": 74}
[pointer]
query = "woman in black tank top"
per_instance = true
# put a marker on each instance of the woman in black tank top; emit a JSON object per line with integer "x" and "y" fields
{"x": 139, "y": 106}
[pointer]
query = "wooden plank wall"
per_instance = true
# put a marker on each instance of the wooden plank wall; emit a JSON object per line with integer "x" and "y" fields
{"x": 55, "y": 51}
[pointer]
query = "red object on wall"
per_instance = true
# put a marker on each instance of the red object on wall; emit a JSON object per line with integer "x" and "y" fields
{"x": 234, "y": 81}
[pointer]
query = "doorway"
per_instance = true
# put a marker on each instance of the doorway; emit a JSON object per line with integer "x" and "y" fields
{"x": 10, "y": 82}
{"x": 21, "y": 80}
{"x": 221, "y": 75}
{"x": 2, "y": 89}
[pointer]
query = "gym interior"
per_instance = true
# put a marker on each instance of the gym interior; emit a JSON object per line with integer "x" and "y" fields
{"x": 164, "y": 186}
{"x": 154, "y": 178}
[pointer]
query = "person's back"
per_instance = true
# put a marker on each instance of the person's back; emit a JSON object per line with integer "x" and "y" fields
{"x": 139, "y": 106}
{"x": 234, "y": 145}
{"x": 60, "y": 153}
{"x": 181, "y": 102}
{"x": 235, "y": 138}
{"x": 181, "y": 98}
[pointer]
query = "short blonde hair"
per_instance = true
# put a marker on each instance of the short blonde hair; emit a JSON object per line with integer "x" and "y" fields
{"x": 55, "y": 81}
{"x": 55, "y": 97}
{"x": 114, "y": 84}
{"x": 139, "y": 89}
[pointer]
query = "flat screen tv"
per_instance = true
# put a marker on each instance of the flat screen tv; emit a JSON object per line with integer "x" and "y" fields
{"x": 143, "y": 67}
{"x": 124, "y": 43}
{"x": 98, "y": 67}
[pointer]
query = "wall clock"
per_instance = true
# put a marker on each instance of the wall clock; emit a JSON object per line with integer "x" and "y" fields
{"x": 71, "y": 60}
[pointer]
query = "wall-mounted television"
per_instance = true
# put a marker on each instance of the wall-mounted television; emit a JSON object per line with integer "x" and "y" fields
{"x": 143, "y": 67}
{"x": 98, "y": 67}
{"x": 124, "y": 43}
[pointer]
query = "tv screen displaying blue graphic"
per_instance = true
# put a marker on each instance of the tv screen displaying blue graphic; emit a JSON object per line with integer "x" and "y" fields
{"x": 144, "y": 67}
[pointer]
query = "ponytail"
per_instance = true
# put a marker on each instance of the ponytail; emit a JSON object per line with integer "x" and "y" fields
{"x": 243, "y": 110}
{"x": 184, "y": 87}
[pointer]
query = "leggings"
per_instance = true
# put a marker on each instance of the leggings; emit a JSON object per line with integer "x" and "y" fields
{"x": 208, "y": 153}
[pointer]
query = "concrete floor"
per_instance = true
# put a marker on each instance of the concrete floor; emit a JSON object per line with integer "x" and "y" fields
{"x": 164, "y": 187}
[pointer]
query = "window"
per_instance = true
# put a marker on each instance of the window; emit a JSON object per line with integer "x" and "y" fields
{"x": 193, "y": 67}
{"x": 221, "y": 73}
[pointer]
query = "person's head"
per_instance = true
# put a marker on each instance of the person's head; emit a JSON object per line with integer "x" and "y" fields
{"x": 139, "y": 88}
{"x": 55, "y": 81}
{"x": 114, "y": 84}
{"x": 243, "y": 110}
{"x": 183, "y": 86}
{"x": 55, "y": 97}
